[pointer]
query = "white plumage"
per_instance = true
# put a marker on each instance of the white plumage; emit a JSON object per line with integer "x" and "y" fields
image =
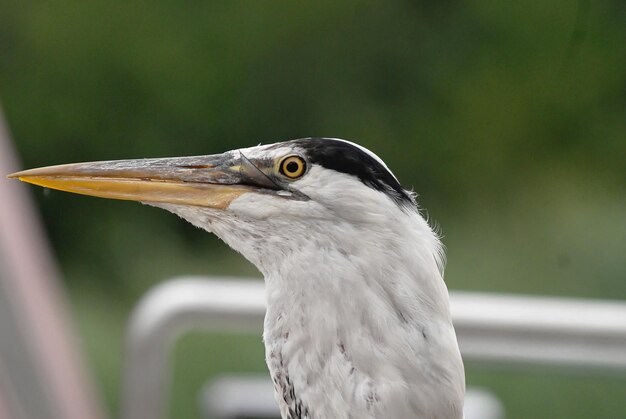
{"x": 358, "y": 323}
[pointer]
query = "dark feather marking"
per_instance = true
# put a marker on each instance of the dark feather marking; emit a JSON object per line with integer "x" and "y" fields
{"x": 346, "y": 158}
{"x": 296, "y": 409}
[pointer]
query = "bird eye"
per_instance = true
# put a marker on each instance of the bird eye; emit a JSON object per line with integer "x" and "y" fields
{"x": 292, "y": 166}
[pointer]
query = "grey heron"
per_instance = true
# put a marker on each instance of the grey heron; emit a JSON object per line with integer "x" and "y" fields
{"x": 358, "y": 321}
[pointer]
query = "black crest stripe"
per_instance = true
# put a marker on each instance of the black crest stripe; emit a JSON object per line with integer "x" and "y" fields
{"x": 345, "y": 157}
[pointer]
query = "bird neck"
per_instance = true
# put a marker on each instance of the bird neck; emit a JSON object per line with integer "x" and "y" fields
{"x": 396, "y": 265}
{"x": 368, "y": 312}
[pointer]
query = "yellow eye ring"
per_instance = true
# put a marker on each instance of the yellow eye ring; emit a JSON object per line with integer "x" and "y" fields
{"x": 292, "y": 166}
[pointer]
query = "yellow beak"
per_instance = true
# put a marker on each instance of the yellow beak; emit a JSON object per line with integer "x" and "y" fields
{"x": 206, "y": 181}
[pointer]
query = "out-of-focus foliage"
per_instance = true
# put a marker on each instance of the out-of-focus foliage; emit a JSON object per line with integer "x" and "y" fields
{"x": 508, "y": 118}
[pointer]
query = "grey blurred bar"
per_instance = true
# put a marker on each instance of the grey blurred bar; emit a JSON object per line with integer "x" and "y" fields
{"x": 496, "y": 329}
{"x": 42, "y": 374}
{"x": 252, "y": 396}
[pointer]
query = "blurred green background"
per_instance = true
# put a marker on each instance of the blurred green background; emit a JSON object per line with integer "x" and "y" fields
{"x": 508, "y": 119}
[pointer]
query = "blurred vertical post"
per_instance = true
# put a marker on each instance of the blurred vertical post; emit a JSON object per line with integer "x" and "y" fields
{"x": 42, "y": 372}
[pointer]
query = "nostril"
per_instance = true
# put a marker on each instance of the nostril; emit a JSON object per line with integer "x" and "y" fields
{"x": 197, "y": 166}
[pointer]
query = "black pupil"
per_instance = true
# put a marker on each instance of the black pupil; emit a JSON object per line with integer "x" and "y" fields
{"x": 292, "y": 167}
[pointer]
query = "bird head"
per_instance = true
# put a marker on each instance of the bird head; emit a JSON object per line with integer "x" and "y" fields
{"x": 284, "y": 196}
{"x": 346, "y": 257}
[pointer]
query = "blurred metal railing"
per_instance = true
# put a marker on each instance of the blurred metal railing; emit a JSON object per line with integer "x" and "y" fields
{"x": 43, "y": 374}
{"x": 506, "y": 329}
{"x": 239, "y": 396}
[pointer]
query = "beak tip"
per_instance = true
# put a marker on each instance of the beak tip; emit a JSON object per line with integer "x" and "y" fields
{"x": 21, "y": 176}
{"x": 25, "y": 174}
